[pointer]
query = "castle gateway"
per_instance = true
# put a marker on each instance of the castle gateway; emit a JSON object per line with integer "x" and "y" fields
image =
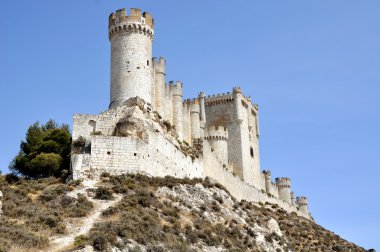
{"x": 150, "y": 129}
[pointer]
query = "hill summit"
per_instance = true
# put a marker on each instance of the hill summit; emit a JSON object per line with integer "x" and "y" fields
{"x": 142, "y": 213}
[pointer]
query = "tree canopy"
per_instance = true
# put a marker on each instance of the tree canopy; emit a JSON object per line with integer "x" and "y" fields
{"x": 45, "y": 151}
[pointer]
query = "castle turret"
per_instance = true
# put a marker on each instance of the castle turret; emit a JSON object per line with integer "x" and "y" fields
{"x": 177, "y": 107}
{"x": 293, "y": 197}
{"x": 217, "y": 137}
{"x": 131, "y": 55}
{"x": 268, "y": 182}
{"x": 238, "y": 95}
{"x": 283, "y": 185}
{"x": 159, "y": 85}
{"x": 202, "y": 106}
{"x": 303, "y": 204}
{"x": 195, "y": 119}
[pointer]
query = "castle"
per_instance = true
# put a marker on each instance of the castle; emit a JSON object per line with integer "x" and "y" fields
{"x": 149, "y": 128}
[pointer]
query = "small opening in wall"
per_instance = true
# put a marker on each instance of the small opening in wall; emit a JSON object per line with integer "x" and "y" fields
{"x": 252, "y": 152}
{"x": 138, "y": 67}
{"x": 135, "y": 154}
{"x": 147, "y": 62}
{"x": 108, "y": 153}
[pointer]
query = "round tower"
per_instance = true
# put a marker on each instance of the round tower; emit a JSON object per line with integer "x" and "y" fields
{"x": 217, "y": 136}
{"x": 195, "y": 119}
{"x": 159, "y": 66}
{"x": 303, "y": 204}
{"x": 293, "y": 197}
{"x": 283, "y": 185}
{"x": 177, "y": 100}
{"x": 131, "y": 39}
{"x": 268, "y": 182}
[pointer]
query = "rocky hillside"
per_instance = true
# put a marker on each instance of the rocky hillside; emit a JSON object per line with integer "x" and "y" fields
{"x": 139, "y": 213}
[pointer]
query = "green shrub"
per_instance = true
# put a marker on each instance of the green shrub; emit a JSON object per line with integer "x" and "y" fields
{"x": 81, "y": 207}
{"x": 103, "y": 193}
{"x": 100, "y": 243}
{"x": 45, "y": 151}
{"x": 46, "y": 164}
{"x": 53, "y": 192}
{"x": 81, "y": 241}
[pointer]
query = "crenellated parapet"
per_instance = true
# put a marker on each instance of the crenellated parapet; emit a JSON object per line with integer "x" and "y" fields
{"x": 283, "y": 182}
{"x": 217, "y": 136}
{"x": 283, "y": 185}
{"x": 217, "y": 99}
{"x": 217, "y": 133}
{"x": 303, "y": 204}
{"x": 176, "y": 89}
{"x": 136, "y": 22}
{"x": 159, "y": 65}
{"x": 302, "y": 201}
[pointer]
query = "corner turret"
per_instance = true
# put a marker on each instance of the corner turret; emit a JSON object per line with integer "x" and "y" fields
{"x": 176, "y": 90}
{"x": 283, "y": 185}
{"x": 217, "y": 137}
{"x": 159, "y": 72}
{"x": 303, "y": 204}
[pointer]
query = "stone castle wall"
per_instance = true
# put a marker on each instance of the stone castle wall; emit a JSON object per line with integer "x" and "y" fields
{"x": 154, "y": 135}
{"x": 238, "y": 188}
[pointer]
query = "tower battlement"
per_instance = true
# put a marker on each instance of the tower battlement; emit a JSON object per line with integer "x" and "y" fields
{"x": 302, "y": 201}
{"x": 267, "y": 173}
{"x": 136, "y": 22}
{"x": 159, "y": 65}
{"x": 217, "y": 132}
{"x": 283, "y": 182}
{"x": 191, "y": 102}
{"x": 176, "y": 88}
{"x": 135, "y": 15}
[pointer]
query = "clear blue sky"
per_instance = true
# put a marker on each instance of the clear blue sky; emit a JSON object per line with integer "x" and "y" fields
{"x": 313, "y": 67}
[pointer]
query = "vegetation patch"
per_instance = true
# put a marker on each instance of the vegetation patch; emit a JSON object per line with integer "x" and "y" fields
{"x": 34, "y": 210}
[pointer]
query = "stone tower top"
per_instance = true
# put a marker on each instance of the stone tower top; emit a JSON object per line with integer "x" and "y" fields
{"x": 217, "y": 132}
{"x": 136, "y": 21}
{"x": 302, "y": 201}
{"x": 283, "y": 182}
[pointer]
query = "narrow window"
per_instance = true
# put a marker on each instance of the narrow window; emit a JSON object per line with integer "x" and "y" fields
{"x": 135, "y": 154}
{"x": 251, "y": 152}
{"x": 108, "y": 153}
{"x": 147, "y": 62}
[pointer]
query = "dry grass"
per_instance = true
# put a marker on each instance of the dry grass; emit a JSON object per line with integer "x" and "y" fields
{"x": 34, "y": 210}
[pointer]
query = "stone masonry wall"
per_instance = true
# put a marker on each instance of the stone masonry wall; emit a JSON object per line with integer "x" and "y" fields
{"x": 238, "y": 188}
{"x": 121, "y": 155}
